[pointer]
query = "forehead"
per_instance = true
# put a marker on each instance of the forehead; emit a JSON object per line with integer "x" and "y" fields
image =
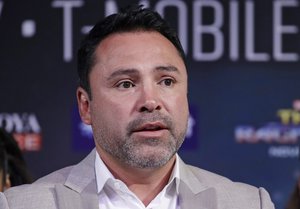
{"x": 137, "y": 46}
{"x": 136, "y": 37}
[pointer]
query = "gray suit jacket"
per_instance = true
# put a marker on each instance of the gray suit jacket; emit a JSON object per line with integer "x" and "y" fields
{"x": 75, "y": 188}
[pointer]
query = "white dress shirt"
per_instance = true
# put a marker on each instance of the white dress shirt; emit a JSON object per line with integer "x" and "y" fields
{"x": 114, "y": 194}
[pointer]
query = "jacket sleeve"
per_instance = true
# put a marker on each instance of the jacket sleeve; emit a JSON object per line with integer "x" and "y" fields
{"x": 265, "y": 200}
{"x": 3, "y": 201}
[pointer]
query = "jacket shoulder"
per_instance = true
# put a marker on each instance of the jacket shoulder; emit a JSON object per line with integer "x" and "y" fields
{"x": 56, "y": 177}
{"x": 238, "y": 193}
{"x": 215, "y": 180}
{"x": 40, "y": 194}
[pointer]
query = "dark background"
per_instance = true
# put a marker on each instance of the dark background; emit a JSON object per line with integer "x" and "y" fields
{"x": 224, "y": 94}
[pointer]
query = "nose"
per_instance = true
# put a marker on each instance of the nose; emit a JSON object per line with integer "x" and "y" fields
{"x": 149, "y": 100}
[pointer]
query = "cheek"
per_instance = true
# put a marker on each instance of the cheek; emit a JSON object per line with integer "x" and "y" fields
{"x": 110, "y": 112}
{"x": 180, "y": 109}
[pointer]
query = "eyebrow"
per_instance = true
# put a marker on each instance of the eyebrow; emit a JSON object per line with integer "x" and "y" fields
{"x": 120, "y": 72}
{"x": 134, "y": 72}
{"x": 169, "y": 68}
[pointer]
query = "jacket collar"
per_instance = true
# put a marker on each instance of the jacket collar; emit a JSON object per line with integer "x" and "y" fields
{"x": 82, "y": 180}
{"x": 80, "y": 190}
{"x": 193, "y": 191}
{"x": 82, "y": 174}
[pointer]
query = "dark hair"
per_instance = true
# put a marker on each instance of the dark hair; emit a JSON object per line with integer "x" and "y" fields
{"x": 294, "y": 201}
{"x": 130, "y": 19}
{"x": 12, "y": 162}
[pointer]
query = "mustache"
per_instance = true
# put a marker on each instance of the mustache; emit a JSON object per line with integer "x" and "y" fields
{"x": 149, "y": 118}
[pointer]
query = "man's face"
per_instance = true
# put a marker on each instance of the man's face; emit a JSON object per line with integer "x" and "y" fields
{"x": 139, "y": 108}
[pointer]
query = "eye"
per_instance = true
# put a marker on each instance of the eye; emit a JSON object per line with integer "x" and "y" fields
{"x": 167, "y": 82}
{"x": 125, "y": 84}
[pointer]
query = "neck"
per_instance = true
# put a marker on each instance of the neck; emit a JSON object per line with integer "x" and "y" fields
{"x": 145, "y": 183}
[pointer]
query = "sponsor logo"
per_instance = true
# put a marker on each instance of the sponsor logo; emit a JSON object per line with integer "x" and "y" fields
{"x": 25, "y": 128}
{"x": 284, "y": 132}
{"x": 191, "y": 137}
{"x": 83, "y": 135}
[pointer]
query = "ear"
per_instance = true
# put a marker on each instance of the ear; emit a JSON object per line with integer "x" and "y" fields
{"x": 83, "y": 102}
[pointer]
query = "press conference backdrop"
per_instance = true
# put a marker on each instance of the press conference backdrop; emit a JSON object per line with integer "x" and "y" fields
{"x": 244, "y": 84}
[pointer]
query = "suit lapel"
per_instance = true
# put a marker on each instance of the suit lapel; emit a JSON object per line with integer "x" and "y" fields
{"x": 193, "y": 193}
{"x": 206, "y": 199}
{"x": 80, "y": 189}
{"x": 70, "y": 199}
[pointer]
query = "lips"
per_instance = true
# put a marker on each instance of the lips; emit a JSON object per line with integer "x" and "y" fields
{"x": 156, "y": 126}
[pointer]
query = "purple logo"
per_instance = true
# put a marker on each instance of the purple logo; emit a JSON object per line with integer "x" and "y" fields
{"x": 81, "y": 133}
{"x": 191, "y": 138}
{"x": 83, "y": 136}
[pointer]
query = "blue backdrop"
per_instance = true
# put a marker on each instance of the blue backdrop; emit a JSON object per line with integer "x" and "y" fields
{"x": 244, "y": 84}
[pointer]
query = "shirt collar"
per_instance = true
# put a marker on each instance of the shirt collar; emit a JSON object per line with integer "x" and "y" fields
{"x": 175, "y": 176}
{"x": 103, "y": 174}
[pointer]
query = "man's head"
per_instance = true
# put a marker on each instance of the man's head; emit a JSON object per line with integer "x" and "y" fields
{"x": 136, "y": 96}
{"x": 130, "y": 20}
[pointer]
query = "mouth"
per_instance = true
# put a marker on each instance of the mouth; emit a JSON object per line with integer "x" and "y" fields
{"x": 151, "y": 127}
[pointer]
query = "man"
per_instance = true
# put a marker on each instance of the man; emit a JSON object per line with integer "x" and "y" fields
{"x": 133, "y": 92}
